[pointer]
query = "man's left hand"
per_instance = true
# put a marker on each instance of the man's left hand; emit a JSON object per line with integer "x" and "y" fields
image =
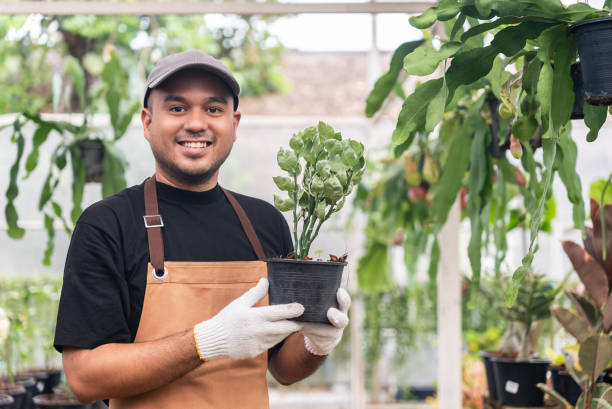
{"x": 321, "y": 339}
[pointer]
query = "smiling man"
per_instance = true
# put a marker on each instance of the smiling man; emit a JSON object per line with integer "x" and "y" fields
{"x": 164, "y": 302}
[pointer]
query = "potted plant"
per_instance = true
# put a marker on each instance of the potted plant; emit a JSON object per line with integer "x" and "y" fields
{"x": 526, "y": 66}
{"x": 323, "y": 168}
{"x": 76, "y": 151}
{"x": 590, "y": 322}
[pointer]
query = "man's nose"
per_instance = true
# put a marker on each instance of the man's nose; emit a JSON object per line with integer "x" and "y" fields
{"x": 196, "y": 121}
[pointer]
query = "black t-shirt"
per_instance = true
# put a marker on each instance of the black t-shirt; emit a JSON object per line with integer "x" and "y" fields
{"x": 106, "y": 266}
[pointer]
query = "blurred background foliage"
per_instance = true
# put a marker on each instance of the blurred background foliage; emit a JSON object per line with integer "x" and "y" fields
{"x": 34, "y": 49}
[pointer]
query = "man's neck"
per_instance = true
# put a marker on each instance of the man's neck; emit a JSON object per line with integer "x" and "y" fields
{"x": 208, "y": 184}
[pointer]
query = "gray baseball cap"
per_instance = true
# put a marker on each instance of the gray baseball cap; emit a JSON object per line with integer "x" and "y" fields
{"x": 191, "y": 59}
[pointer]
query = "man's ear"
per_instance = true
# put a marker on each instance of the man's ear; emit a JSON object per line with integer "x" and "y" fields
{"x": 236, "y": 120}
{"x": 145, "y": 118}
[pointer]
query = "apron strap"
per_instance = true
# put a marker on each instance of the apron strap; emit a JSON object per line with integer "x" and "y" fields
{"x": 154, "y": 223}
{"x": 246, "y": 225}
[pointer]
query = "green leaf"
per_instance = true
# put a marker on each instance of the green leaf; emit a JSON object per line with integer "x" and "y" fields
{"x": 284, "y": 183}
{"x": 571, "y": 180}
{"x": 594, "y": 118}
{"x": 563, "y": 51}
{"x": 447, "y": 9}
{"x": 483, "y": 6}
{"x": 332, "y": 188}
{"x": 545, "y": 92}
{"x": 115, "y": 164}
{"x": 512, "y": 39}
{"x": 320, "y": 210}
{"x": 287, "y": 160}
{"x": 50, "y": 240}
{"x": 484, "y": 27}
{"x": 469, "y": 66}
{"x": 78, "y": 182}
{"x": 595, "y": 354}
{"x": 596, "y": 189}
{"x": 325, "y": 131}
{"x": 10, "y": 212}
{"x": 477, "y": 178}
{"x": 517, "y": 279}
{"x": 495, "y": 77}
{"x": 434, "y": 260}
{"x": 373, "y": 269}
{"x": 446, "y": 190}
{"x": 435, "y": 109}
{"x": 414, "y": 110}
{"x": 284, "y": 205}
{"x": 40, "y": 136}
{"x": 425, "y": 59}
{"x": 73, "y": 67}
{"x": 385, "y": 83}
{"x": 555, "y": 396}
{"x": 424, "y": 20}
{"x": 296, "y": 143}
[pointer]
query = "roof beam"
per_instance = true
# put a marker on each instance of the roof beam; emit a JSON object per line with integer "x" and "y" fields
{"x": 114, "y": 8}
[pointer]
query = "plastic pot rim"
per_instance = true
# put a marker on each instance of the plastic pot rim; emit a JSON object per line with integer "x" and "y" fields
{"x": 590, "y": 21}
{"x": 312, "y": 262}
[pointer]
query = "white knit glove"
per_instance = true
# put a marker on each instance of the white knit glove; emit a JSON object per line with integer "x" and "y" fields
{"x": 242, "y": 331}
{"x": 321, "y": 339}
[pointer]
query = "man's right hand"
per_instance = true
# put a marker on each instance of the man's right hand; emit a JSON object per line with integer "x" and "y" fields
{"x": 242, "y": 331}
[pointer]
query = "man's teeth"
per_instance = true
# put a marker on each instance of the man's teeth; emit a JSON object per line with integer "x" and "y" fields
{"x": 196, "y": 144}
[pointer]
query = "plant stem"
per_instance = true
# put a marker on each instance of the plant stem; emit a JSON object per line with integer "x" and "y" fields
{"x": 308, "y": 238}
{"x": 602, "y": 218}
{"x": 295, "y": 220}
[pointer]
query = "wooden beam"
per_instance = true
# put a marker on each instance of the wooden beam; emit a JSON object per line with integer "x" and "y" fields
{"x": 115, "y": 8}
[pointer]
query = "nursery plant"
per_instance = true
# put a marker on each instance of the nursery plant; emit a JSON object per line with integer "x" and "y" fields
{"x": 590, "y": 321}
{"x": 513, "y": 59}
{"x": 322, "y": 169}
{"x": 86, "y": 152}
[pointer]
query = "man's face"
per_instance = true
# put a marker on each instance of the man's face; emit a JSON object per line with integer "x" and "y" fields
{"x": 191, "y": 127}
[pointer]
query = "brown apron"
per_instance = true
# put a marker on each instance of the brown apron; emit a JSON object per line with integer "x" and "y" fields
{"x": 178, "y": 295}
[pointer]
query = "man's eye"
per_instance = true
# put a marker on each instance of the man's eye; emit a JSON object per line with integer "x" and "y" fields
{"x": 177, "y": 109}
{"x": 214, "y": 110}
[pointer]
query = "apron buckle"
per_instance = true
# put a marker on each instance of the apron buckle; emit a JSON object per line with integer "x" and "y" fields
{"x": 153, "y": 220}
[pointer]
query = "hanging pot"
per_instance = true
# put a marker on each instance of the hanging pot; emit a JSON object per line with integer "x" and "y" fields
{"x": 563, "y": 383}
{"x": 577, "y": 109}
{"x": 594, "y": 41}
{"x": 313, "y": 284}
{"x": 92, "y": 153}
{"x": 516, "y": 381}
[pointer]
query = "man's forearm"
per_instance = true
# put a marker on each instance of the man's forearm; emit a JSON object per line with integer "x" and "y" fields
{"x": 292, "y": 362}
{"x": 122, "y": 370}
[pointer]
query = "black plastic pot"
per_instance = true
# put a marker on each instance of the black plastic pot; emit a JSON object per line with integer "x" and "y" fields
{"x": 6, "y": 401}
{"x": 52, "y": 401}
{"x": 563, "y": 383}
{"x": 29, "y": 384}
{"x": 594, "y": 41}
{"x": 17, "y": 392}
{"x": 54, "y": 378}
{"x": 490, "y": 374}
{"x": 516, "y": 381}
{"x": 577, "y": 109}
{"x": 92, "y": 153}
{"x": 313, "y": 284}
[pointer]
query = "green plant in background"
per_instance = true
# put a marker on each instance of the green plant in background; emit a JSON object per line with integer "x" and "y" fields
{"x": 323, "y": 168}
{"x": 34, "y": 48}
{"x": 516, "y": 94}
{"x": 30, "y": 304}
{"x": 69, "y": 149}
{"x": 590, "y": 321}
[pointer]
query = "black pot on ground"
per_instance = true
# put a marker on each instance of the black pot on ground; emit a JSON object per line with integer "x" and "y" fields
{"x": 92, "y": 153}
{"x": 563, "y": 383}
{"x": 516, "y": 381}
{"x": 490, "y": 374}
{"x": 577, "y": 110}
{"x": 313, "y": 284}
{"x": 17, "y": 392}
{"x": 6, "y": 401}
{"x": 54, "y": 378}
{"x": 29, "y": 384}
{"x": 594, "y": 41}
{"x": 52, "y": 401}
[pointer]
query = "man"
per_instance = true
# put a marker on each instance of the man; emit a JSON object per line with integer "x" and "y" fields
{"x": 165, "y": 290}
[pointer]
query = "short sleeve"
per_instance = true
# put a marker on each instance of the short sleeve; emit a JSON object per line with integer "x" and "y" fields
{"x": 94, "y": 302}
{"x": 287, "y": 241}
